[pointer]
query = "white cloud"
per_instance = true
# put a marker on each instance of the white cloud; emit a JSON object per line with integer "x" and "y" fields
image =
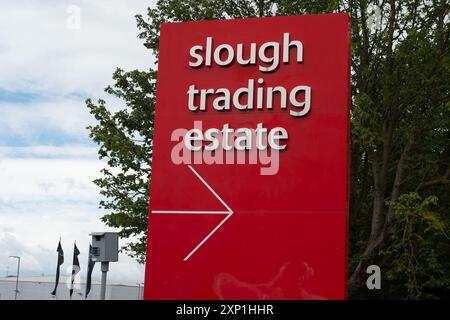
{"x": 54, "y": 68}
{"x": 39, "y": 53}
{"x": 28, "y": 120}
{"x": 60, "y": 117}
{"x": 44, "y": 151}
{"x": 41, "y": 179}
{"x": 46, "y": 163}
{"x": 42, "y": 200}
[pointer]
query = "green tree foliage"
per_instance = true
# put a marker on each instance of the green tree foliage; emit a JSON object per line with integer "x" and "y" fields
{"x": 125, "y": 139}
{"x": 400, "y": 121}
{"x": 400, "y": 151}
{"x": 419, "y": 237}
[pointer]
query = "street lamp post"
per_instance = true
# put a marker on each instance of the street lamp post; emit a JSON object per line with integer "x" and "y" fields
{"x": 17, "y": 276}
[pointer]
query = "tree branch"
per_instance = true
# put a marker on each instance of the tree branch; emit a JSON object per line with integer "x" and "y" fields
{"x": 444, "y": 179}
{"x": 399, "y": 174}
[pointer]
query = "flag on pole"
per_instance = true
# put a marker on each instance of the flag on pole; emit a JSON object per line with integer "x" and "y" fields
{"x": 58, "y": 265}
{"x": 91, "y": 264}
{"x": 75, "y": 267}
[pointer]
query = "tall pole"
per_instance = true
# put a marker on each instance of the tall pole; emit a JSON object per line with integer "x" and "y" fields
{"x": 104, "y": 268}
{"x": 17, "y": 275}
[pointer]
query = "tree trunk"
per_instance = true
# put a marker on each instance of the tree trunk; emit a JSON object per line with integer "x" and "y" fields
{"x": 379, "y": 235}
{"x": 375, "y": 238}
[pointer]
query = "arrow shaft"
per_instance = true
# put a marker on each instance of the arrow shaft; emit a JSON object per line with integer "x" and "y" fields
{"x": 188, "y": 212}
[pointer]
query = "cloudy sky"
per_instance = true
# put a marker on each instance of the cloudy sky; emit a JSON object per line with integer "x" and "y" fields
{"x": 49, "y": 64}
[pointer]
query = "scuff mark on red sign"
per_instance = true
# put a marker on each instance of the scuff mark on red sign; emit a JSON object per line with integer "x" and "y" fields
{"x": 227, "y": 286}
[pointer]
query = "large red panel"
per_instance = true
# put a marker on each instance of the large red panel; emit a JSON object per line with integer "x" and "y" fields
{"x": 227, "y": 231}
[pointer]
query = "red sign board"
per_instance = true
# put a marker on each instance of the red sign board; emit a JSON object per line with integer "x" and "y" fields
{"x": 249, "y": 183}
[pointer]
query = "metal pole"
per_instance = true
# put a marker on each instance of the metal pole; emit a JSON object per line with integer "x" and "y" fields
{"x": 104, "y": 268}
{"x": 17, "y": 279}
{"x": 17, "y": 275}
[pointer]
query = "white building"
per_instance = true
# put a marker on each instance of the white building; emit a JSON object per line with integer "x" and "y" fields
{"x": 39, "y": 288}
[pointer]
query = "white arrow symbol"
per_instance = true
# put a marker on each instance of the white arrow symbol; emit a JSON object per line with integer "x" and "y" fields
{"x": 228, "y": 212}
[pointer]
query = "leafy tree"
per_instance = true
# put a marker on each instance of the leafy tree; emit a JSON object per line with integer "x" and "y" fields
{"x": 400, "y": 153}
{"x": 415, "y": 253}
{"x": 125, "y": 140}
{"x": 400, "y": 117}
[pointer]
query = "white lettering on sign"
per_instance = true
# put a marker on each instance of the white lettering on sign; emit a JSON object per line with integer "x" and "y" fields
{"x": 299, "y": 98}
{"x": 243, "y": 138}
{"x": 229, "y": 146}
{"x": 268, "y": 54}
{"x": 254, "y": 96}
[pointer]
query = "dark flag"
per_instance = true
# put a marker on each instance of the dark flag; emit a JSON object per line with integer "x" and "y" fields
{"x": 75, "y": 267}
{"x": 91, "y": 264}
{"x": 58, "y": 265}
